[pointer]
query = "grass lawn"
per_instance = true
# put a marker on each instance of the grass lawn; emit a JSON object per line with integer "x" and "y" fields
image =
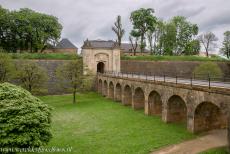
{"x": 48, "y": 56}
{"x": 96, "y": 125}
{"x": 172, "y": 58}
{"x": 222, "y": 150}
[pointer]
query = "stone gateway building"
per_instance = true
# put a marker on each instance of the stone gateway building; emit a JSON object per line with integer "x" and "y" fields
{"x": 101, "y": 56}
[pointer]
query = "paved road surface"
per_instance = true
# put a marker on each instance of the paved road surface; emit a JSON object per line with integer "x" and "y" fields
{"x": 224, "y": 85}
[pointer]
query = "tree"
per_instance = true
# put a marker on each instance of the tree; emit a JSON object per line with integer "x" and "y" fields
{"x": 25, "y": 120}
{"x": 226, "y": 44}
{"x": 192, "y": 48}
{"x": 158, "y": 33}
{"x": 208, "y": 40}
{"x": 185, "y": 31}
{"x": 71, "y": 75}
{"x": 150, "y": 40}
{"x": 168, "y": 39}
{"x": 27, "y": 30}
{"x": 6, "y": 67}
{"x": 143, "y": 20}
{"x": 118, "y": 30}
{"x": 134, "y": 38}
{"x": 31, "y": 76}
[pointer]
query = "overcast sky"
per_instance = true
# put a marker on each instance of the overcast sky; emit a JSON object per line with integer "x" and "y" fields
{"x": 93, "y": 19}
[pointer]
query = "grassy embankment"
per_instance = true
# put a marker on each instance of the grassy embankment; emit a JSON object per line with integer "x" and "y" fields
{"x": 47, "y": 56}
{"x": 172, "y": 58}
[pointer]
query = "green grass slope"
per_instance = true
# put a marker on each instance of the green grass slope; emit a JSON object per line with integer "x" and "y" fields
{"x": 96, "y": 125}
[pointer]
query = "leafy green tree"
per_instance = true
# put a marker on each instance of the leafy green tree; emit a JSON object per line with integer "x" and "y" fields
{"x": 226, "y": 44}
{"x": 25, "y": 120}
{"x": 192, "y": 48}
{"x": 143, "y": 20}
{"x": 168, "y": 39}
{"x": 31, "y": 76}
{"x": 158, "y": 33}
{"x": 150, "y": 40}
{"x": 208, "y": 40}
{"x": 118, "y": 30}
{"x": 134, "y": 38}
{"x": 185, "y": 31}
{"x": 6, "y": 67}
{"x": 72, "y": 78}
{"x": 27, "y": 30}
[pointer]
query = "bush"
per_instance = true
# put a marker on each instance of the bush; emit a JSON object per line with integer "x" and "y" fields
{"x": 25, "y": 120}
{"x": 6, "y": 67}
{"x": 208, "y": 69}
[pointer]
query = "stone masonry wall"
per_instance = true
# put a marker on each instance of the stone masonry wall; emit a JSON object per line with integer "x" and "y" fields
{"x": 171, "y": 68}
{"x": 51, "y": 65}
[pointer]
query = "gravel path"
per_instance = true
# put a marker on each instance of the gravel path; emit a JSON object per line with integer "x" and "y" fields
{"x": 213, "y": 139}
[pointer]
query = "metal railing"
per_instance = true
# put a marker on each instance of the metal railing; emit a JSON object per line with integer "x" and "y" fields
{"x": 193, "y": 80}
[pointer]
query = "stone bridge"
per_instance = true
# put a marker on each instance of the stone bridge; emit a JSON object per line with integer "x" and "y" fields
{"x": 201, "y": 108}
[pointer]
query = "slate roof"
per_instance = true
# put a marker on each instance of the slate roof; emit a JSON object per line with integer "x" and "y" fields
{"x": 101, "y": 44}
{"x": 65, "y": 44}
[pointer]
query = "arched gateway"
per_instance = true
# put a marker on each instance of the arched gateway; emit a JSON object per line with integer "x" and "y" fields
{"x": 100, "y": 56}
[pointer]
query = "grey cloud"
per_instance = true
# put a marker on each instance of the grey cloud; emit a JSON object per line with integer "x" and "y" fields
{"x": 93, "y": 19}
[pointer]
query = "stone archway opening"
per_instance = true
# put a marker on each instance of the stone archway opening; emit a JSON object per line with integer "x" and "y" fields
{"x": 111, "y": 90}
{"x": 118, "y": 92}
{"x": 105, "y": 89}
{"x": 139, "y": 99}
{"x": 177, "y": 110}
{"x": 127, "y": 99}
{"x": 208, "y": 116}
{"x": 100, "y": 86}
{"x": 154, "y": 103}
{"x": 100, "y": 67}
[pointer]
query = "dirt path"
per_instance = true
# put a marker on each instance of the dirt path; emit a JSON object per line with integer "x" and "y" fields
{"x": 211, "y": 140}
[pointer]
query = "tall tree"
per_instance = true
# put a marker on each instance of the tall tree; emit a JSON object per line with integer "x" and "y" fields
{"x": 185, "y": 32}
{"x": 226, "y": 44}
{"x": 134, "y": 38}
{"x": 150, "y": 40}
{"x": 208, "y": 40}
{"x": 168, "y": 39}
{"x": 159, "y": 30}
{"x": 118, "y": 30}
{"x": 143, "y": 20}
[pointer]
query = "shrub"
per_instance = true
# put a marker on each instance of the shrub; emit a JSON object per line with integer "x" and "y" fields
{"x": 25, "y": 120}
{"x": 6, "y": 67}
{"x": 31, "y": 76}
{"x": 208, "y": 69}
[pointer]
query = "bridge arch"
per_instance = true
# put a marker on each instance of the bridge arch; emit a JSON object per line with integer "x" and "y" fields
{"x": 100, "y": 86}
{"x": 154, "y": 103}
{"x": 176, "y": 109}
{"x": 208, "y": 116}
{"x": 118, "y": 92}
{"x": 127, "y": 98}
{"x": 105, "y": 88}
{"x": 139, "y": 98}
{"x": 111, "y": 90}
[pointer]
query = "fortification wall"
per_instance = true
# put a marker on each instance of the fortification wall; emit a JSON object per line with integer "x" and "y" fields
{"x": 171, "y": 68}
